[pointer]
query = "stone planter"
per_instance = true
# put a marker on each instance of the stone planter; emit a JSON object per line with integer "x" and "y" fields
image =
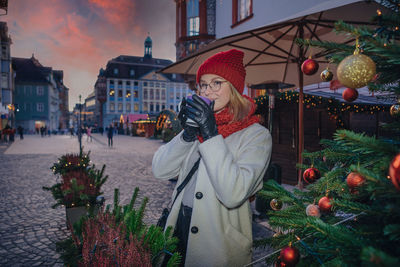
{"x": 75, "y": 214}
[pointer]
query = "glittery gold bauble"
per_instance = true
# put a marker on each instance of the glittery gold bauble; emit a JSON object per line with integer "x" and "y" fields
{"x": 395, "y": 110}
{"x": 326, "y": 75}
{"x": 356, "y": 71}
{"x": 276, "y": 204}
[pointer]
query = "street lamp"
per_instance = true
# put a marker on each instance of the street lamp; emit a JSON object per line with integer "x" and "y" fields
{"x": 271, "y": 87}
{"x": 80, "y": 126}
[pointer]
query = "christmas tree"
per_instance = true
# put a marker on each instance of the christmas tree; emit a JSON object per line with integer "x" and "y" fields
{"x": 349, "y": 212}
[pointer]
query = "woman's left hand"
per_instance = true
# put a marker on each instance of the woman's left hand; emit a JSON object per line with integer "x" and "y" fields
{"x": 203, "y": 115}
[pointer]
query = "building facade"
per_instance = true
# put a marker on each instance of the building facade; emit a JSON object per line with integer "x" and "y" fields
{"x": 133, "y": 86}
{"x": 195, "y": 25}
{"x": 7, "y": 109}
{"x": 63, "y": 100}
{"x": 37, "y": 96}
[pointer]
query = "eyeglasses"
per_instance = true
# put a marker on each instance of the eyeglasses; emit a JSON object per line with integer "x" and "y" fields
{"x": 215, "y": 86}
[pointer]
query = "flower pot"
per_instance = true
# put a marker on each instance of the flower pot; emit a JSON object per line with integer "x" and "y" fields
{"x": 75, "y": 214}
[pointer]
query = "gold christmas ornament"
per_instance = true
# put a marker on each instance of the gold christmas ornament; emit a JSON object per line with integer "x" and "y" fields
{"x": 326, "y": 75}
{"x": 395, "y": 110}
{"x": 356, "y": 71}
{"x": 276, "y": 204}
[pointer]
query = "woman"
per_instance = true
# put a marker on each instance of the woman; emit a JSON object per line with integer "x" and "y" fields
{"x": 212, "y": 215}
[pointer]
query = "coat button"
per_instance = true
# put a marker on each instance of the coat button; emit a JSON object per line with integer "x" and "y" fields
{"x": 194, "y": 230}
{"x": 199, "y": 195}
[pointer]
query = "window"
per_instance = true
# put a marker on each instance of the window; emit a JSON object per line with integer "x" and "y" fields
{"x": 135, "y": 83}
{"x": 163, "y": 94}
{"x": 128, "y": 107}
{"x": 157, "y": 94}
{"x": 163, "y": 107}
{"x": 171, "y": 95}
{"x": 151, "y": 94}
{"x": 119, "y": 106}
{"x": 4, "y": 51}
{"x": 112, "y": 92}
{"x": 241, "y": 10}
{"x": 136, "y": 106}
{"x": 145, "y": 108}
{"x": 132, "y": 72}
{"x": 151, "y": 84}
{"x": 136, "y": 94}
{"x": 151, "y": 107}
{"x": 111, "y": 84}
{"x": 112, "y": 107}
{"x": 144, "y": 83}
{"x": 39, "y": 107}
{"x": 128, "y": 84}
{"x": 115, "y": 71}
{"x": 128, "y": 94}
{"x": 145, "y": 94}
{"x": 157, "y": 84}
{"x": 193, "y": 20}
{"x": 120, "y": 84}
{"x": 171, "y": 107}
{"x": 119, "y": 93}
{"x": 157, "y": 107}
{"x": 39, "y": 90}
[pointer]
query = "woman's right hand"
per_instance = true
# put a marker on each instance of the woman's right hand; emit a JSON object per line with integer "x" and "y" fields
{"x": 189, "y": 133}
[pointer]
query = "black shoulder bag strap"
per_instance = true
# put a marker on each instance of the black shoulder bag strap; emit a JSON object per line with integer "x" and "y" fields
{"x": 187, "y": 179}
{"x": 163, "y": 219}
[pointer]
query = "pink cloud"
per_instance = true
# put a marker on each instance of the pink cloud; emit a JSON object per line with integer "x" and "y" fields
{"x": 119, "y": 13}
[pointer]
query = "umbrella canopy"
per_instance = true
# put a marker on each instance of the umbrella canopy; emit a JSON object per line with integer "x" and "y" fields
{"x": 270, "y": 52}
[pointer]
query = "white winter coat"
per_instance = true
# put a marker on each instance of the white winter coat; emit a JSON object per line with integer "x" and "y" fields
{"x": 230, "y": 171}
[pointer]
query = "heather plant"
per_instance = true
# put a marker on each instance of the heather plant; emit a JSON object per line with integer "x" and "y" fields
{"x": 118, "y": 237}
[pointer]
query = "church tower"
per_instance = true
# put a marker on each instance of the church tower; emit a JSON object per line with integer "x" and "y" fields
{"x": 148, "y": 43}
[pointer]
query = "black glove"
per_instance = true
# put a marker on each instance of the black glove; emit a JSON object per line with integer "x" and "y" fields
{"x": 189, "y": 132}
{"x": 203, "y": 115}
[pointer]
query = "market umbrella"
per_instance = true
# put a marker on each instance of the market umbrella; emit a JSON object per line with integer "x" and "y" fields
{"x": 271, "y": 52}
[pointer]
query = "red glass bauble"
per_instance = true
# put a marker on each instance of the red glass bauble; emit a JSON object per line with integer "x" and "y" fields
{"x": 289, "y": 256}
{"x": 309, "y": 67}
{"x": 311, "y": 175}
{"x": 354, "y": 179}
{"x": 350, "y": 94}
{"x": 394, "y": 171}
{"x": 325, "y": 204}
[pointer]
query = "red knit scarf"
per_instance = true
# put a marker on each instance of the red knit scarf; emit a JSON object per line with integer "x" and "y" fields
{"x": 226, "y": 126}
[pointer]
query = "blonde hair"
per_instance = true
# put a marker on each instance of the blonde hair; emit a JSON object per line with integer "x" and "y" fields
{"x": 238, "y": 105}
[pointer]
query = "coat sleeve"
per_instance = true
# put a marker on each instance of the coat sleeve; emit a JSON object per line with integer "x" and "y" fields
{"x": 235, "y": 179}
{"x": 169, "y": 158}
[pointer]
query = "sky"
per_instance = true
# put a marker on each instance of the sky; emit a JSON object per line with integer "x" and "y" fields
{"x": 80, "y": 36}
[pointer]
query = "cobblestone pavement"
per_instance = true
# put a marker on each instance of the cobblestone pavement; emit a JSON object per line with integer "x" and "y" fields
{"x": 29, "y": 227}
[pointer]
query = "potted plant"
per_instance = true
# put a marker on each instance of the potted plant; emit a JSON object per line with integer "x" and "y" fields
{"x": 78, "y": 186}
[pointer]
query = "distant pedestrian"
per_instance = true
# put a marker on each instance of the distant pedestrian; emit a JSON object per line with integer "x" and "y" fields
{"x": 89, "y": 134}
{"x": 110, "y": 134}
{"x": 20, "y": 132}
{"x": 101, "y": 130}
{"x": 42, "y": 131}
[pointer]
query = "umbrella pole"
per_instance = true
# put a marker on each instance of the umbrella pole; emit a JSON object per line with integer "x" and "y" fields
{"x": 301, "y": 106}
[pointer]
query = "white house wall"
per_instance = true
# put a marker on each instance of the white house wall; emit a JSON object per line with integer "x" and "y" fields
{"x": 266, "y": 12}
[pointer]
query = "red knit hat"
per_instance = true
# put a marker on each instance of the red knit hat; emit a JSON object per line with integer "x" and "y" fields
{"x": 228, "y": 65}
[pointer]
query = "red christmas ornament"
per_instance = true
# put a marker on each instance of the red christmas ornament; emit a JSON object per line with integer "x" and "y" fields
{"x": 394, "y": 171}
{"x": 289, "y": 256}
{"x": 325, "y": 204}
{"x": 309, "y": 67}
{"x": 334, "y": 85}
{"x": 311, "y": 175}
{"x": 354, "y": 180}
{"x": 350, "y": 94}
